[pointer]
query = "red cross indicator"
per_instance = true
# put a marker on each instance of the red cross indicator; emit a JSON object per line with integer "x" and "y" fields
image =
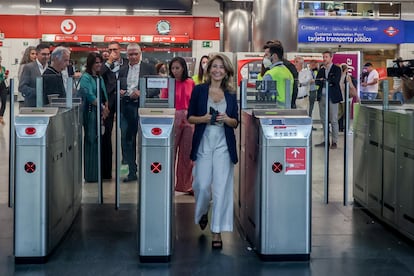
{"x": 155, "y": 167}
{"x": 295, "y": 160}
{"x": 277, "y": 167}
{"x": 30, "y": 167}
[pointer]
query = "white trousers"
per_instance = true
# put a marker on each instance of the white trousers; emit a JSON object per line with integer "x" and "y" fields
{"x": 213, "y": 180}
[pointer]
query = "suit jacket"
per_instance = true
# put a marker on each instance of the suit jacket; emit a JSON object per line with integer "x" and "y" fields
{"x": 145, "y": 69}
{"x": 334, "y": 88}
{"x": 295, "y": 75}
{"x": 27, "y": 83}
{"x": 198, "y": 107}
{"x": 110, "y": 78}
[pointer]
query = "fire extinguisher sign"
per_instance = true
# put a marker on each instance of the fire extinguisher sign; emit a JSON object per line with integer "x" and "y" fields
{"x": 295, "y": 161}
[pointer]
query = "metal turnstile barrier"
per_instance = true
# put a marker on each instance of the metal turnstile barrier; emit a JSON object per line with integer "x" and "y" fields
{"x": 282, "y": 204}
{"x": 156, "y": 173}
{"x": 48, "y": 188}
{"x": 156, "y": 144}
{"x": 384, "y": 143}
{"x": 273, "y": 200}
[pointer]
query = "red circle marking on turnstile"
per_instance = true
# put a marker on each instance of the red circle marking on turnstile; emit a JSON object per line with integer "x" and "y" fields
{"x": 277, "y": 167}
{"x": 30, "y": 167}
{"x": 30, "y": 130}
{"x": 155, "y": 167}
{"x": 156, "y": 131}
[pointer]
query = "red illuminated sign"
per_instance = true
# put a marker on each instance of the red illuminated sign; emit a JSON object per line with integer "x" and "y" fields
{"x": 156, "y": 131}
{"x": 295, "y": 160}
{"x": 277, "y": 167}
{"x": 170, "y": 39}
{"x": 30, "y": 167}
{"x": 30, "y": 130}
{"x": 122, "y": 38}
{"x": 155, "y": 167}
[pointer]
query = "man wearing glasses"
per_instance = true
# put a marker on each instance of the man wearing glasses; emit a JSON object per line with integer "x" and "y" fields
{"x": 129, "y": 78}
{"x": 31, "y": 71}
{"x": 110, "y": 75}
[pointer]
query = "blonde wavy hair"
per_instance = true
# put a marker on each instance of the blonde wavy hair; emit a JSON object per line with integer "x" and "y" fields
{"x": 227, "y": 82}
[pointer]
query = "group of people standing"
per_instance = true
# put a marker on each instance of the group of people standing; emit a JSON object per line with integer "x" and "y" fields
{"x": 310, "y": 82}
{"x": 205, "y": 117}
{"x": 204, "y": 169}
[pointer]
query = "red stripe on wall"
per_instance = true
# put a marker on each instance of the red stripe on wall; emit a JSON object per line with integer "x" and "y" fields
{"x": 33, "y": 26}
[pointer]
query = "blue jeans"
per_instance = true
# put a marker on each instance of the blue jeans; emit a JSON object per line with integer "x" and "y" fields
{"x": 398, "y": 96}
{"x": 129, "y": 129}
{"x": 368, "y": 95}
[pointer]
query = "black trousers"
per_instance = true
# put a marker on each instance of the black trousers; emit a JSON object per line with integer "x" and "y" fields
{"x": 106, "y": 142}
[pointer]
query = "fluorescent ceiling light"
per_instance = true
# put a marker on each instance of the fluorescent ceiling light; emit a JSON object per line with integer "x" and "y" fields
{"x": 113, "y": 10}
{"x": 173, "y": 11}
{"x": 142, "y": 10}
{"x": 86, "y": 9}
{"x": 52, "y": 9}
{"x": 17, "y": 6}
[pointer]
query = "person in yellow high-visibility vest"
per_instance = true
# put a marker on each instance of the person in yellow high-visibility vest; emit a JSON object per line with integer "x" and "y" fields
{"x": 277, "y": 72}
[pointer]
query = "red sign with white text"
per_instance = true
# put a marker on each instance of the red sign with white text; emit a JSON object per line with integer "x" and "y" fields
{"x": 295, "y": 160}
{"x": 73, "y": 38}
{"x": 182, "y": 27}
{"x": 122, "y": 38}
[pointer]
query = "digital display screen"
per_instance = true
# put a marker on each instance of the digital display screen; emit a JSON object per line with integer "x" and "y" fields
{"x": 278, "y": 122}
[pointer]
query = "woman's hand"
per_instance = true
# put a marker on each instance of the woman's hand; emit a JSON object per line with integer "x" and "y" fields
{"x": 205, "y": 119}
{"x": 105, "y": 111}
{"x": 223, "y": 117}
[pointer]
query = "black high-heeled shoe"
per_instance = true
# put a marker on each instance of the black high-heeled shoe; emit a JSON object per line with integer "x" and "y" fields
{"x": 217, "y": 243}
{"x": 203, "y": 221}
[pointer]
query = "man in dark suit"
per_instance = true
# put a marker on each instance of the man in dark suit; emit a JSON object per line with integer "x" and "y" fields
{"x": 31, "y": 71}
{"x": 129, "y": 78}
{"x": 331, "y": 74}
{"x": 110, "y": 74}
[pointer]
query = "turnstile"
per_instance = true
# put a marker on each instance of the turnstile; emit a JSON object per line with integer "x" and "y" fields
{"x": 383, "y": 161}
{"x": 276, "y": 207}
{"x": 48, "y": 189}
{"x": 156, "y": 189}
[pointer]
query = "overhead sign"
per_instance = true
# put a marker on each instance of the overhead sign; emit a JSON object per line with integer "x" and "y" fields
{"x": 68, "y": 26}
{"x": 342, "y": 31}
{"x": 66, "y": 38}
{"x": 122, "y": 38}
{"x": 176, "y": 39}
{"x": 295, "y": 160}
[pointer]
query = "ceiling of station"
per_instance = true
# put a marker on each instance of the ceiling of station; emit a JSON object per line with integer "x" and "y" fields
{"x": 183, "y": 5}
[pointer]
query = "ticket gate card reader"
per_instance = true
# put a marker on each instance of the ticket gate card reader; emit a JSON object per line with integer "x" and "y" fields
{"x": 156, "y": 189}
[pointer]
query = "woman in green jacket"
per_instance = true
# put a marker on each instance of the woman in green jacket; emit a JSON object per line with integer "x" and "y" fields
{"x": 88, "y": 91}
